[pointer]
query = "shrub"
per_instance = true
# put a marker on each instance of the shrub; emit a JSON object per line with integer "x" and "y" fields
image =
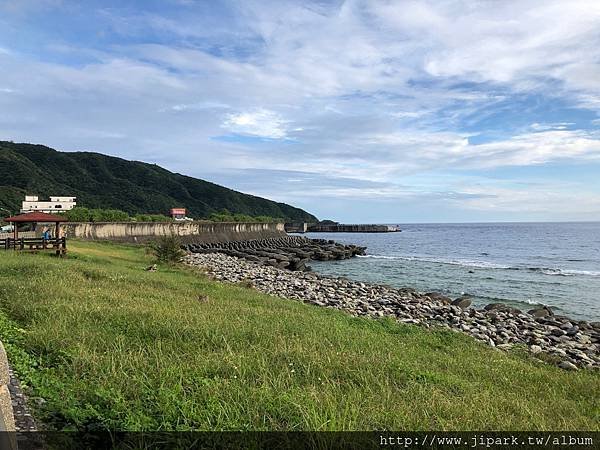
{"x": 167, "y": 249}
{"x": 226, "y": 216}
{"x": 80, "y": 214}
{"x": 109, "y": 215}
{"x": 152, "y": 218}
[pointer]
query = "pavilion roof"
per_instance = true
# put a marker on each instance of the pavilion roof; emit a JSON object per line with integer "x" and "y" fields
{"x": 35, "y": 217}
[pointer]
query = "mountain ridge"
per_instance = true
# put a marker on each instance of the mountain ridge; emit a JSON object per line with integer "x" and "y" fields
{"x": 100, "y": 181}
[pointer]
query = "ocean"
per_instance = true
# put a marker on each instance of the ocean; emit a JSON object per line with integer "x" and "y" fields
{"x": 520, "y": 264}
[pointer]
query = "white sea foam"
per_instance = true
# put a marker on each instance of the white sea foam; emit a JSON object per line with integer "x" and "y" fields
{"x": 566, "y": 272}
{"x": 453, "y": 262}
{"x": 488, "y": 265}
{"x": 590, "y": 273}
{"x": 533, "y": 302}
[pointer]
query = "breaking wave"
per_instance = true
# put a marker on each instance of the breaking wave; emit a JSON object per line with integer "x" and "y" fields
{"x": 565, "y": 272}
{"x": 464, "y": 263}
{"x": 489, "y": 265}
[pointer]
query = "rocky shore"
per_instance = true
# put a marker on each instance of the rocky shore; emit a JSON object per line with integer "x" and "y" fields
{"x": 568, "y": 343}
{"x": 289, "y": 252}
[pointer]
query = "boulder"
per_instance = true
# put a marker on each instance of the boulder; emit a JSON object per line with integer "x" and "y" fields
{"x": 439, "y": 297}
{"x": 501, "y": 307}
{"x": 535, "y": 349}
{"x": 506, "y": 346}
{"x": 572, "y": 331}
{"x": 544, "y": 311}
{"x": 566, "y": 365}
{"x": 463, "y": 302}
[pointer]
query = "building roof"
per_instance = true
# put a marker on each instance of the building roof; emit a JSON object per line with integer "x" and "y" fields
{"x": 36, "y": 217}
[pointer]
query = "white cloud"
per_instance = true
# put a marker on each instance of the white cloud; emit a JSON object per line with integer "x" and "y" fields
{"x": 375, "y": 91}
{"x": 547, "y": 199}
{"x": 387, "y": 157}
{"x": 536, "y": 148}
{"x": 369, "y": 46}
{"x": 551, "y": 126}
{"x": 261, "y": 123}
{"x": 199, "y": 106}
{"x": 517, "y": 41}
{"x": 408, "y": 114}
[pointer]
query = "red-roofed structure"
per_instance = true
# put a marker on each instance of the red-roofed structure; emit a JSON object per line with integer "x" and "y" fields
{"x": 35, "y": 217}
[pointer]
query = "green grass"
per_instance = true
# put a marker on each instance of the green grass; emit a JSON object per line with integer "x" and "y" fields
{"x": 107, "y": 344}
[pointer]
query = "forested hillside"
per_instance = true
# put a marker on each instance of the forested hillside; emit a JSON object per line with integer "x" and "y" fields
{"x": 100, "y": 181}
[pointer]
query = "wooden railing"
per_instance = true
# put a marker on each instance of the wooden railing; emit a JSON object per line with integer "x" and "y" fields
{"x": 24, "y": 234}
{"x": 35, "y": 244}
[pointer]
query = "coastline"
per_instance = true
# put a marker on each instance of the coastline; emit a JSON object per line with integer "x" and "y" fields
{"x": 570, "y": 344}
{"x": 196, "y": 350}
{"x": 523, "y": 265}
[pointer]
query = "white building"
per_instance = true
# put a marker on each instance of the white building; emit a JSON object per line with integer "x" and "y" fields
{"x": 55, "y": 205}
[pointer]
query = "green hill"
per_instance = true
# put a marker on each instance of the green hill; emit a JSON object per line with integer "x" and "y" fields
{"x": 100, "y": 181}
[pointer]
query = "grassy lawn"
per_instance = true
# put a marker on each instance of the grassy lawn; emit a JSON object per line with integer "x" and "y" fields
{"x": 108, "y": 344}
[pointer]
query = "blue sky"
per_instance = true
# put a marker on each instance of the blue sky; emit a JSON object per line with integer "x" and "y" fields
{"x": 359, "y": 111}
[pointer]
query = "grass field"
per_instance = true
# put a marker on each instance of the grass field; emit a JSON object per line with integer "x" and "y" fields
{"x": 107, "y": 344}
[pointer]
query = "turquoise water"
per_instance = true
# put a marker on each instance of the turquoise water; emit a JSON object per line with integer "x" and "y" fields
{"x": 521, "y": 264}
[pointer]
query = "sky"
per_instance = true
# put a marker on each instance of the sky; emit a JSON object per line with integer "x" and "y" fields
{"x": 357, "y": 111}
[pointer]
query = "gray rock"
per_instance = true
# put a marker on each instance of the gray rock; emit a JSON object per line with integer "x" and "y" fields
{"x": 544, "y": 311}
{"x": 462, "y": 302}
{"x": 566, "y": 365}
{"x": 584, "y": 339}
{"x": 572, "y": 331}
{"x": 439, "y": 297}
{"x": 501, "y": 307}
{"x": 505, "y": 346}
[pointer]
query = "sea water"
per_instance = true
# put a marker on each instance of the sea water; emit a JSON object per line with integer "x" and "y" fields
{"x": 520, "y": 264}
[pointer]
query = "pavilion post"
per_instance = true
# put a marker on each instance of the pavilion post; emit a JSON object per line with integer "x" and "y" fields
{"x": 57, "y": 238}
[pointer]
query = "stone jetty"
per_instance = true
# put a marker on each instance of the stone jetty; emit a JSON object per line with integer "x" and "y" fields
{"x": 568, "y": 343}
{"x": 288, "y": 252}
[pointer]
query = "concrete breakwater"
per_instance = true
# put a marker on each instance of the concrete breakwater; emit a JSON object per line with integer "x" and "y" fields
{"x": 570, "y": 344}
{"x": 197, "y": 232}
{"x": 289, "y": 252}
{"x": 351, "y": 228}
{"x": 302, "y": 227}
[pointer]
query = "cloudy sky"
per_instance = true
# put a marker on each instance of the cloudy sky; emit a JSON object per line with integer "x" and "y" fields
{"x": 360, "y": 111}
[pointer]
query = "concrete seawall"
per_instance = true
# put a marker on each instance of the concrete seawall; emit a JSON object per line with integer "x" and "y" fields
{"x": 209, "y": 232}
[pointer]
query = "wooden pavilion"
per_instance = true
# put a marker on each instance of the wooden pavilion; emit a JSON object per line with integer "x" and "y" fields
{"x": 57, "y": 242}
